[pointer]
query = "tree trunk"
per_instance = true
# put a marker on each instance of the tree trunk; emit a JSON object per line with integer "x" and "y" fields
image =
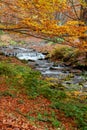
{"x": 83, "y": 18}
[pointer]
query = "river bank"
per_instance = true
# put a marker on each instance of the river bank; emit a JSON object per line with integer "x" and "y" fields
{"x": 64, "y": 89}
{"x": 67, "y": 76}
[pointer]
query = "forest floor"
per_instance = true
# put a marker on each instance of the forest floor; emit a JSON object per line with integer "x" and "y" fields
{"x": 14, "y": 110}
{"x": 20, "y": 111}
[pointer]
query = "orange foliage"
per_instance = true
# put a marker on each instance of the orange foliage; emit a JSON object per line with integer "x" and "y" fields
{"x": 38, "y": 17}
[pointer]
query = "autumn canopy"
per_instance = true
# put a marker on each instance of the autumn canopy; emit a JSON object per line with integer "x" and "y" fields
{"x": 46, "y": 18}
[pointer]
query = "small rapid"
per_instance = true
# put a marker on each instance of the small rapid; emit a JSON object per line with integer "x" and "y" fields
{"x": 68, "y": 77}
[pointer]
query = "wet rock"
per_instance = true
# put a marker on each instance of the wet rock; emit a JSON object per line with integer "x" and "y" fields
{"x": 45, "y": 53}
{"x": 32, "y": 64}
{"x": 75, "y": 71}
{"x": 77, "y": 79}
{"x": 68, "y": 77}
{"x": 85, "y": 87}
{"x": 57, "y": 68}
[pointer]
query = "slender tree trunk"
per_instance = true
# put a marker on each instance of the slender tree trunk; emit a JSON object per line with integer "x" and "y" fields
{"x": 83, "y": 17}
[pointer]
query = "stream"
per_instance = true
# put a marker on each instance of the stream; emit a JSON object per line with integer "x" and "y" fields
{"x": 69, "y": 78}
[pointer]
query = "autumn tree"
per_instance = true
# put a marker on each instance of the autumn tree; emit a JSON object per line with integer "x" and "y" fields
{"x": 47, "y": 19}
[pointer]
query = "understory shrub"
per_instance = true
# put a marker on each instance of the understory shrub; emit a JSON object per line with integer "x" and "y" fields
{"x": 61, "y": 52}
{"x": 74, "y": 56}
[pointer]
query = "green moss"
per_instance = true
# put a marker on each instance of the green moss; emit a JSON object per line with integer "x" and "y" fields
{"x": 1, "y": 32}
{"x": 24, "y": 78}
{"x": 76, "y": 111}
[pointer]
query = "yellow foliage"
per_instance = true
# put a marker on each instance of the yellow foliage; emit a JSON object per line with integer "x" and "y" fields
{"x": 38, "y": 16}
{"x": 83, "y": 3}
{"x": 75, "y": 23}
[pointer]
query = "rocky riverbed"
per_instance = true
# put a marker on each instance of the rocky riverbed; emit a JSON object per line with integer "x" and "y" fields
{"x": 73, "y": 79}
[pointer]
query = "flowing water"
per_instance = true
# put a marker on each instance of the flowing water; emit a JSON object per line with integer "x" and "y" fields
{"x": 68, "y": 77}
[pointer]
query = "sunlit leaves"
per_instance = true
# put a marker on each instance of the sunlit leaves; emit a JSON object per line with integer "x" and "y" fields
{"x": 38, "y": 17}
{"x": 83, "y": 3}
